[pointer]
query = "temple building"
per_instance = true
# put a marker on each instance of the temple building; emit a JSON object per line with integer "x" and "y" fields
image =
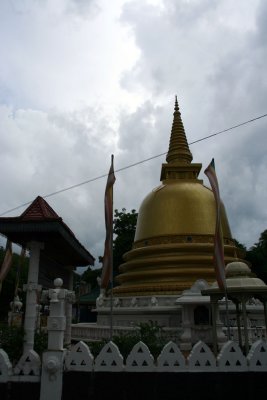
{"x": 173, "y": 245}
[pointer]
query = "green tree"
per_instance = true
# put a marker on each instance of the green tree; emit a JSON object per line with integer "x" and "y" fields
{"x": 257, "y": 256}
{"x": 90, "y": 276}
{"x": 148, "y": 332}
{"x": 242, "y": 250}
{"x": 124, "y": 225}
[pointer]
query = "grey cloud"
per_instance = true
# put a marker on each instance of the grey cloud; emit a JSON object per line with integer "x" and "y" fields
{"x": 208, "y": 54}
{"x": 218, "y": 66}
{"x": 262, "y": 23}
{"x": 83, "y": 8}
{"x": 44, "y": 153}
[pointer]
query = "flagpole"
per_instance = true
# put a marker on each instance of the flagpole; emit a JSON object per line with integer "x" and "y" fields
{"x": 111, "y": 269}
{"x": 107, "y": 269}
{"x": 225, "y": 293}
{"x": 227, "y": 314}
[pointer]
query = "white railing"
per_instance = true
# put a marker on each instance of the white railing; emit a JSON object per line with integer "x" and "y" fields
{"x": 140, "y": 359}
{"x": 93, "y": 332}
{"x": 171, "y": 359}
{"x": 56, "y": 359}
{"x": 254, "y": 334}
{"x": 28, "y": 368}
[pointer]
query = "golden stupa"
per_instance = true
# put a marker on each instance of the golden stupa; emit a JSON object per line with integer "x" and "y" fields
{"x": 173, "y": 244}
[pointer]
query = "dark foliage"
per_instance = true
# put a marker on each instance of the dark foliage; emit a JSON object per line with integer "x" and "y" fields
{"x": 11, "y": 340}
{"x": 257, "y": 256}
{"x": 241, "y": 249}
{"x": 40, "y": 342}
{"x": 149, "y": 333}
{"x": 124, "y": 224}
{"x": 124, "y": 230}
{"x": 9, "y": 284}
{"x": 90, "y": 276}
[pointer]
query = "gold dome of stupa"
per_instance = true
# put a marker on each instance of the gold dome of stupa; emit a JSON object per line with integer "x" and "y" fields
{"x": 173, "y": 244}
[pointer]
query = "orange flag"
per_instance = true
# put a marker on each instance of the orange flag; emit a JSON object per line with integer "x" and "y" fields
{"x": 218, "y": 237}
{"x": 106, "y": 275}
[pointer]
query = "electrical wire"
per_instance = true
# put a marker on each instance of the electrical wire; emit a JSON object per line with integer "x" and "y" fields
{"x": 133, "y": 165}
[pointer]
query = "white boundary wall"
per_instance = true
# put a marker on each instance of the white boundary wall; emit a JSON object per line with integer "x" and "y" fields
{"x": 140, "y": 359}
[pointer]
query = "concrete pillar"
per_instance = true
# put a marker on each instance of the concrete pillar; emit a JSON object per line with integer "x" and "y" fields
{"x": 245, "y": 323}
{"x": 68, "y": 310}
{"x": 56, "y": 322}
{"x": 186, "y": 337}
{"x": 237, "y": 305}
{"x": 31, "y": 288}
{"x": 214, "y": 313}
{"x": 53, "y": 358}
{"x": 265, "y": 316}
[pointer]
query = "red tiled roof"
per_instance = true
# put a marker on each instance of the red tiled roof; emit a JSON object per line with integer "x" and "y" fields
{"x": 41, "y": 223}
{"x": 39, "y": 209}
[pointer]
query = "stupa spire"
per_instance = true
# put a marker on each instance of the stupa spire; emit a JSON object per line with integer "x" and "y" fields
{"x": 178, "y": 148}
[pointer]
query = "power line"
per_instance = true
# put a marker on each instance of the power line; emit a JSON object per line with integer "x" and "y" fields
{"x": 134, "y": 164}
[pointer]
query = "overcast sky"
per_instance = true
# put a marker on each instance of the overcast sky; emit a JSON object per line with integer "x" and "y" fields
{"x": 83, "y": 79}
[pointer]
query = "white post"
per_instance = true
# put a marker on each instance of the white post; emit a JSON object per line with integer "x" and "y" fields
{"x": 68, "y": 310}
{"x": 186, "y": 337}
{"x": 31, "y": 297}
{"x": 56, "y": 323}
{"x": 52, "y": 368}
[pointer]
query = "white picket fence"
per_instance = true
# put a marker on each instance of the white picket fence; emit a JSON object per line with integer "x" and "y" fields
{"x": 56, "y": 360}
{"x": 28, "y": 369}
{"x": 140, "y": 359}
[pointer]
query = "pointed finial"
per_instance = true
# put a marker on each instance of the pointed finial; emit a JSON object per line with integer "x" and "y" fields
{"x": 176, "y": 107}
{"x": 178, "y": 149}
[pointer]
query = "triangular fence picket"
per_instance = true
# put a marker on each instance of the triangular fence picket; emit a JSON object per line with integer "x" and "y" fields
{"x": 257, "y": 356}
{"x": 171, "y": 359}
{"x": 5, "y": 366}
{"x": 201, "y": 358}
{"x": 109, "y": 359}
{"x": 231, "y": 358}
{"x": 79, "y": 358}
{"x": 29, "y": 364}
{"x": 140, "y": 359}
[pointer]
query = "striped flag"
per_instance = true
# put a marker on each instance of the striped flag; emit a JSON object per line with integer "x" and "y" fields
{"x": 218, "y": 237}
{"x": 7, "y": 262}
{"x": 106, "y": 275}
